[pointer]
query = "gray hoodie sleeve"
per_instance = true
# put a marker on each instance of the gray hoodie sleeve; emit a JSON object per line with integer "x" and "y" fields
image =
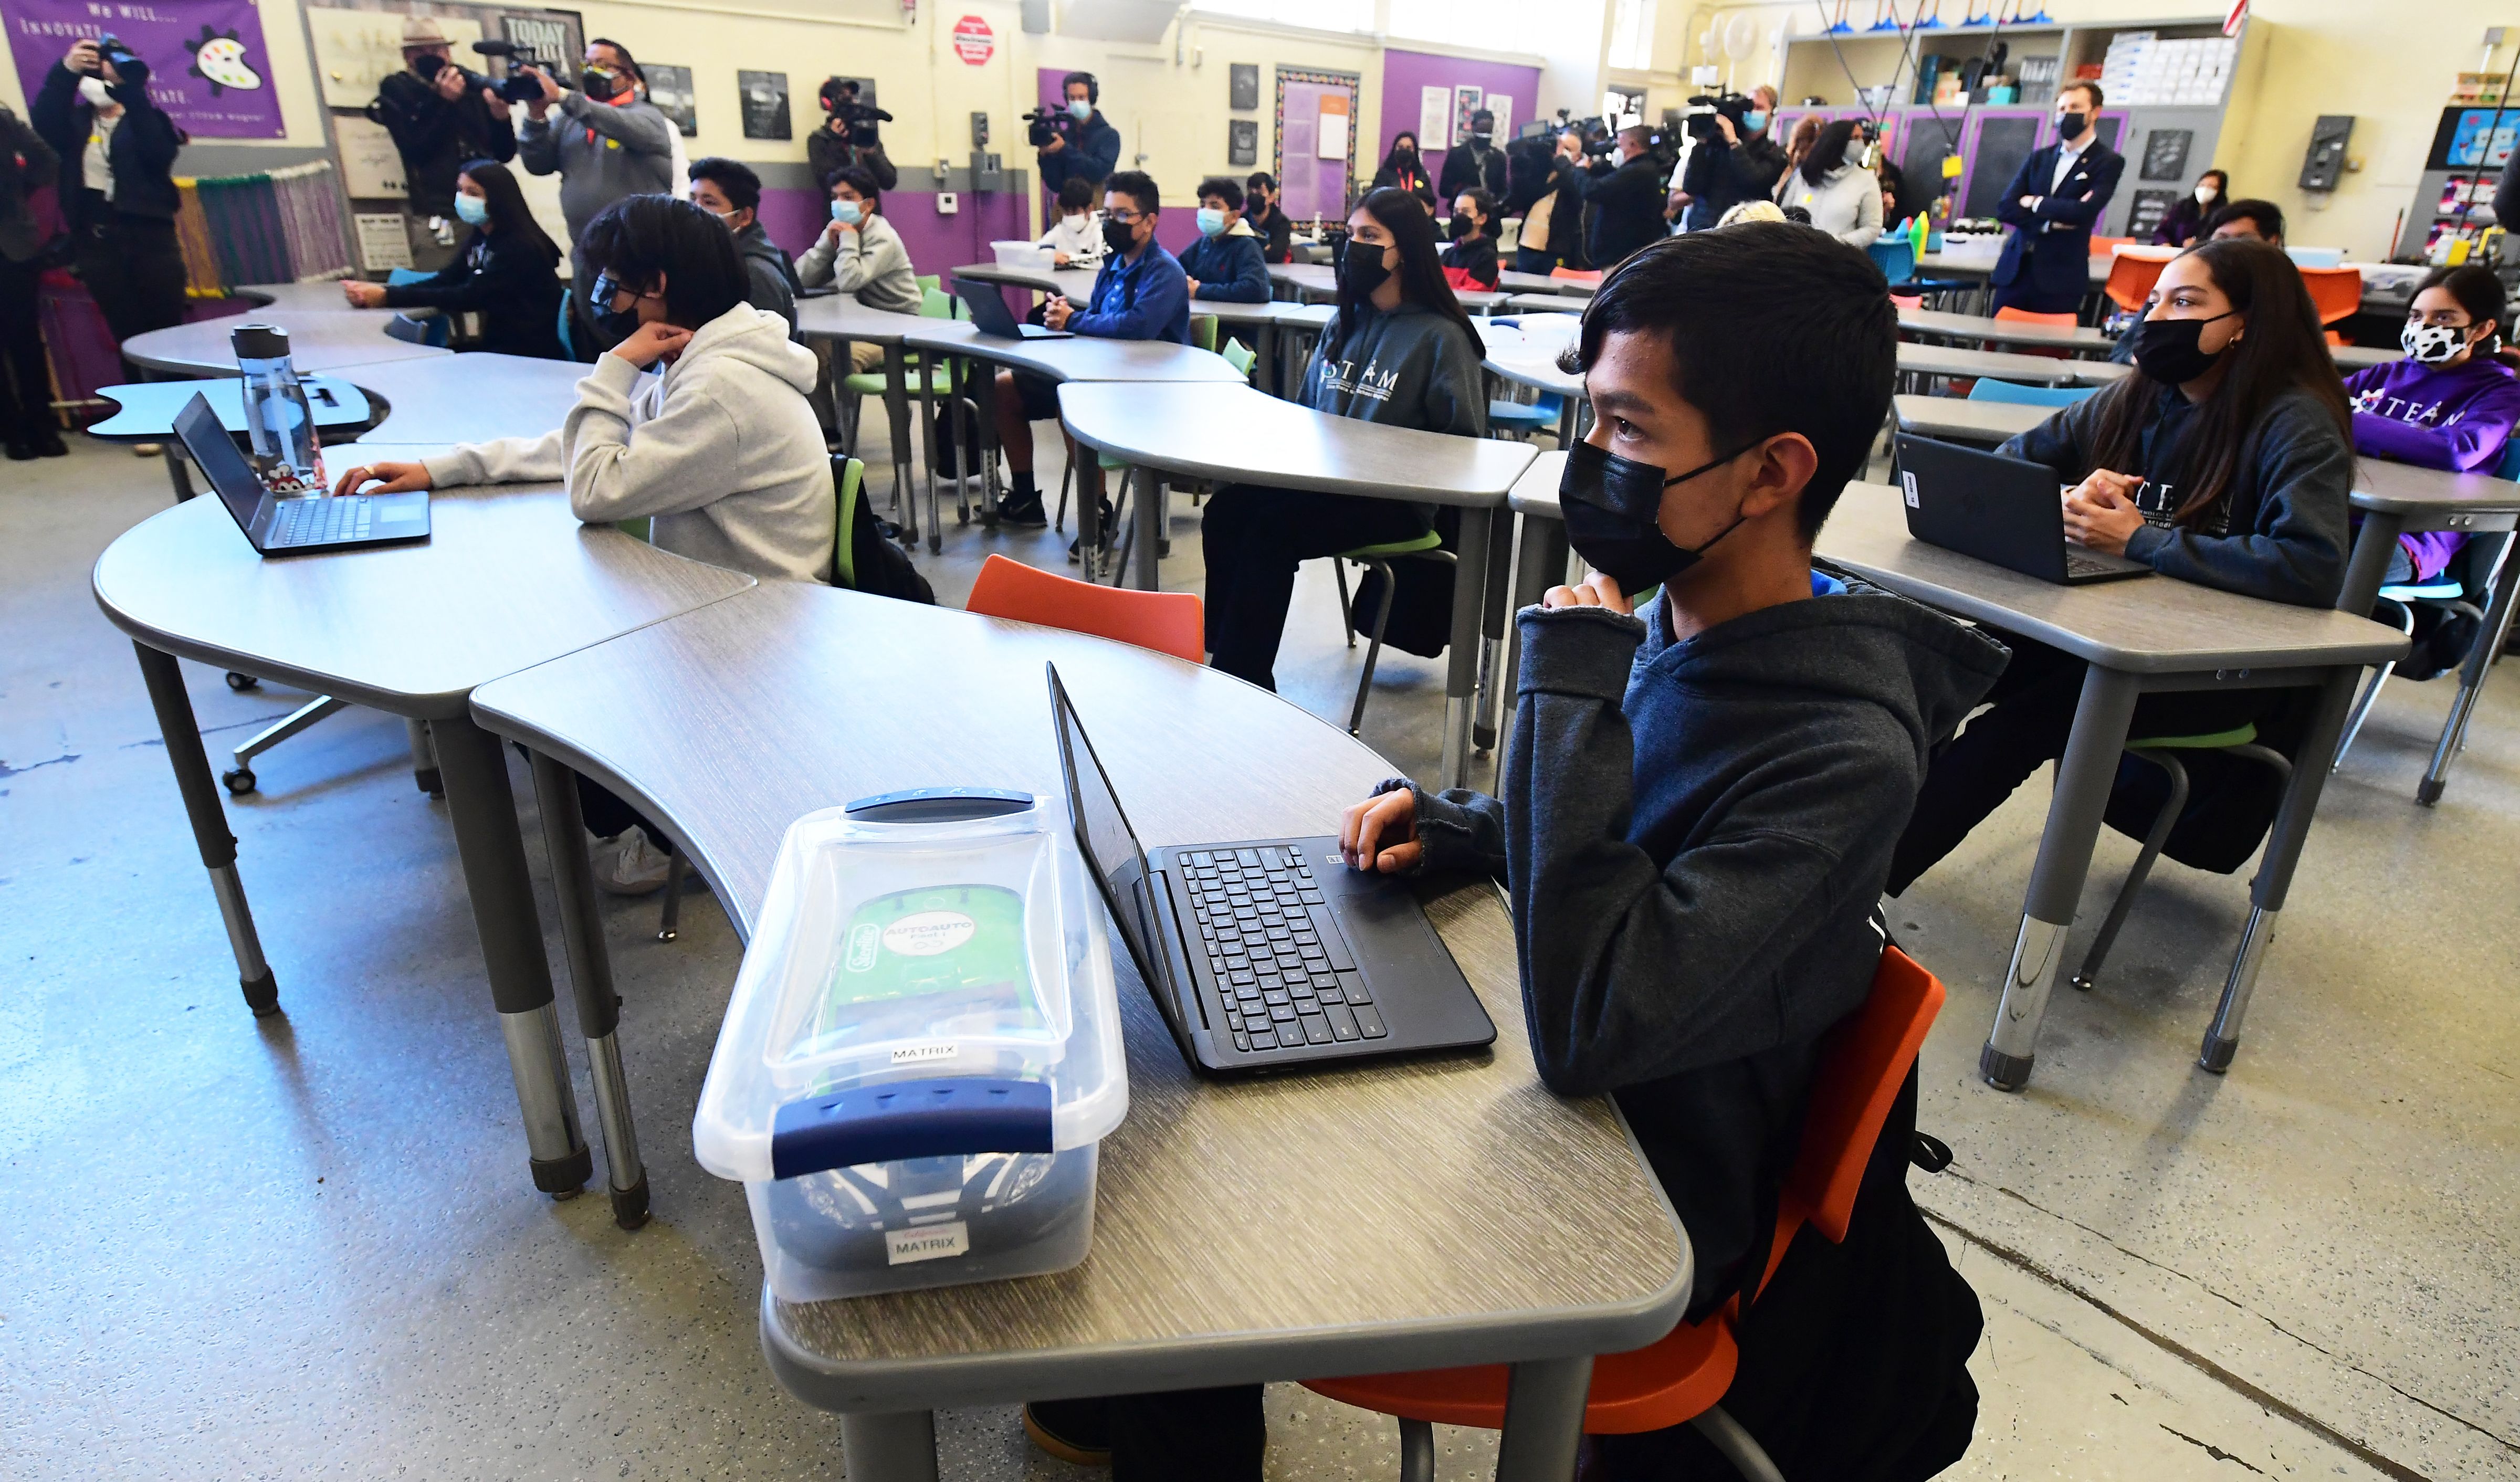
{"x": 1631, "y": 972}
{"x": 1457, "y": 387}
{"x": 2295, "y": 551}
{"x": 637, "y": 127}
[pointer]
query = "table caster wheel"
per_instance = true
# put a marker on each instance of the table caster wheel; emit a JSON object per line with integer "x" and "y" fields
{"x": 243, "y": 682}
{"x": 239, "y": 780}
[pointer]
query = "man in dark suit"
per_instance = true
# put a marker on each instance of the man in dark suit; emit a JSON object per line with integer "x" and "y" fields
{"x": 2054, "y": 200}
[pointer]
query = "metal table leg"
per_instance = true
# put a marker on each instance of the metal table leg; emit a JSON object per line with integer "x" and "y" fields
{"x": 483, "y": 810}
{"x": 1462, "y": 659}
{"x": 984, "y": 404}
{"x": 1150, "y": 519}
{"x": 2274, "y": 870}
{"x": 2083, "y": 781}
{"x": 183, "y": 738}
{"x": 1089, "y": 513}
{"x": 1492, "y": 621}
{"x": 178, "y": 473}
{"x": 1543, "y": 1419}
{"x": 2369, "y": 562}
{"x": 896, "y": 410}
{"x": 1539, "y": 564}
{"x": 424, "y": 761}
{"x": 2473, "y": 674}
{"x": 1264, "y": 348}
{"x": 899, "y": 1446}
{"x": 590, "y": 976}
{"x": 935, "y": 448}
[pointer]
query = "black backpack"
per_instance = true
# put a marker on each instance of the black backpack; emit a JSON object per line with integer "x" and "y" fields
{"x": 864, "y": 560}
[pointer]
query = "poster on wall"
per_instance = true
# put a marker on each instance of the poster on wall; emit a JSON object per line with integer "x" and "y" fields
{"x": 556, "y": 36}
{"x": 356, "y": 50}
{"x": 1242, "y": 143}
{"x": 1242, "y": 85}
{"x": 2151, "y": 206}
{"x": 669, "y": 88}
{"x": 1466, "y": 100}
{"x": 371, "y": 165}
{"x": 383, "y": 242}
{"x": 206, "y": 65}
{"x": 1434, "y": 114}
{"x": 1502, "y": 106}
{"x": 1330, "y": 141}
{"x": 2165, "y": 154}
{"x": 765, "y": 104}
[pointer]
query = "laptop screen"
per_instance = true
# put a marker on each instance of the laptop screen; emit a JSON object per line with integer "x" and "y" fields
{"x": 989, "y": 312}
{"x": 217, "y": 452}
{"x": 1103, "y": 831}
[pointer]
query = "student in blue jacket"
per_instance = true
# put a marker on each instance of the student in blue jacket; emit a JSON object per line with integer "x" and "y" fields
{"x": 1692, "y": 833}
{"x": 1226, "y": 263}
{"x": 1139, "y": 293}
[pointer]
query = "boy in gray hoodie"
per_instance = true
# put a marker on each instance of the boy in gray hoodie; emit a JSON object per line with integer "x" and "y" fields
{"x": 1697, "y": 816}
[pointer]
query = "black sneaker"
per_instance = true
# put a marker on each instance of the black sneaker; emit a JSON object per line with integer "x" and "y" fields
{"x": 1077, "y": 1432}
{"x": 48, "y": 443}
{"x": 1024, "y": 511}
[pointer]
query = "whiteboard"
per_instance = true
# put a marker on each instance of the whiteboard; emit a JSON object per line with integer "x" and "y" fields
{"x": 356, "y": 50}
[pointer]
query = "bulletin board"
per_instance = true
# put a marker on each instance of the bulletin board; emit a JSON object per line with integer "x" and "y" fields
{"x": 1313, "y": 168}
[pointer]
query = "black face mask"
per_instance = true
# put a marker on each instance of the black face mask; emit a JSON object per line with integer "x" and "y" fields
{"x": 1363, "y": 269}
{"x": 2167, "y": 350}
{"x": 613, "y": 326}
{"x": 1463, "y": 226}
{"x": 1119, "y": 236}
{"x": 1612, "y": 504}
{"x": 2070, "y": 126}
{"x": 599, "y": 83}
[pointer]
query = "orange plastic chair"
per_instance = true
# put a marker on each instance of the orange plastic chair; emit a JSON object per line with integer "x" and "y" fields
{"x": 1863, "y": 1064}
{"x": 2101, "y": 247}
{"x": 1168, "y": 622}
{"x": 2133, "y": 273}
{"x": 1576, "y": 275}
{"x": 2337, "y": 292}
{"x": 2033, "y": 316}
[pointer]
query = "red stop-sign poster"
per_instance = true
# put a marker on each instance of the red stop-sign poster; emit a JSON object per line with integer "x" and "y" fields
{"x": 973, "y": 41}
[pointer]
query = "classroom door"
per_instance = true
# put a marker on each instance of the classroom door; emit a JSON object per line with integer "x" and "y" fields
{"x": 1316, "y": 142}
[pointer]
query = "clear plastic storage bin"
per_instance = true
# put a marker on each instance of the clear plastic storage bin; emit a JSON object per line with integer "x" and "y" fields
{"x": 922, "y": 1050}
{"x": 1022, "y": 254}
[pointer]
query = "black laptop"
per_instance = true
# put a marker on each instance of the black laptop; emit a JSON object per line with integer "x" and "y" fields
{"x": 1999, "y": 509}
{"x": 991, "y": 316}
{"x": 276, "y": 525}
{"x": 1265, "y": 954}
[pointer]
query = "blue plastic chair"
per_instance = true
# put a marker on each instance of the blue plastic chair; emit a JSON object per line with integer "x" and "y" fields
{"x": 1895, "y": 256}
{"x": 1518, "y": 417}
{"x": 1989, "y": 390}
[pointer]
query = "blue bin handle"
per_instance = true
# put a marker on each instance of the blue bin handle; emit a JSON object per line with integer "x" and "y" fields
{"x": 892, "y": 1120}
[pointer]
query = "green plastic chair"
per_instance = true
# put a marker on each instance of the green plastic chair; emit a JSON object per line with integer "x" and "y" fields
{"x": 1379, "y": 558}
{"x": 1202, "y": 331}
{"x": 1240, "y": 356}
{"x": 2163, "y": 752}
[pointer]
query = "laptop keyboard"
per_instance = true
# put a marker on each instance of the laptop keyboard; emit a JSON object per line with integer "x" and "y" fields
{"x": 319, "y": 521}
{"x": 1282, "y": 965}
{"x": 2084, "y": 566}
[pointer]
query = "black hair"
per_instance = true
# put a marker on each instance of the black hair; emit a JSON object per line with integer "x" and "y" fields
{"x": 734, "y": 179}
{"x": 1483, "y": 122}
{"x": 638, "y": 237}
{"x": 859, "y": 178}
{"x": 2282, "y": 350}
{"x": 1227, "y": 190}
{"x": 2222, "y": 179}
{"x": 1139, "y": 187}
{"x": 830, "y": 94}
{"x": 1391, "y": 157}
{"x": 510, "y": 217}
{"x": 1261, "y": 180}
{"x": 2267, "y": 216}
{"x": 1828, "y": 150}
{"x": 1484, "y": 204}
{"x": 2475, "y": 289}
{"x": 2100, "y": 99}
{"x": 1798, "y": 215}
{"x": 1093, "y": 89}
{"x": 1420, "y": 271}
{"x": 1077, "y": 192}
{"x": 623, "y": 52}
{"x": 1771, "y": 328}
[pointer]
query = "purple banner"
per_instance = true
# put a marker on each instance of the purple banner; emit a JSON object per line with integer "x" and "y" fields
{"x": 206, "y": 65}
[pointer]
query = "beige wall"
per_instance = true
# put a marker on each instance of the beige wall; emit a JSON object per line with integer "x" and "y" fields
{"x": 2391, "y": 65}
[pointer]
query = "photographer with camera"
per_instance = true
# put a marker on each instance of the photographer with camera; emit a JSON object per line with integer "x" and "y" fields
{"x": 440, "y": 114}
{"x": 1626, "y": 195}
{"x": 27, "y": 425}
{"x": 117, "y": 183}
{"x": 1733, "y": 159}
{"x": 1547, "y": 193}
{"x": 847, "y": 139}
{"x": 1077, "y": 139}
{"x": 609, "y": 142}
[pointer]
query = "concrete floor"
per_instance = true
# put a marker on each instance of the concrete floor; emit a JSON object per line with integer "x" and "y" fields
{"x": 305, "y": 1247}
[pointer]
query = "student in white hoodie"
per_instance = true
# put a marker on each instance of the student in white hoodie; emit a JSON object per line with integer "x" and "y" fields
{"x": 1075, "y": 239}
{"x": 1844, "y": 197}
{"x": 696, "y": 417}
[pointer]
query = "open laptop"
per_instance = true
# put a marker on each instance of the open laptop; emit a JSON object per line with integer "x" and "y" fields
{"x": 1264, "y": 954}
{"x": 1999, "y": 509}
{"x": 277, "y": 525}
{"x": 991, "y": 316}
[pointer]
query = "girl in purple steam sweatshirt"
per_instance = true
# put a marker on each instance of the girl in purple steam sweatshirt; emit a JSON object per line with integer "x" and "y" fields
{"x": 2450, "y": 404}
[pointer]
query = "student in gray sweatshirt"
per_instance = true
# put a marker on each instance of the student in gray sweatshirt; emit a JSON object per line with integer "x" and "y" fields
{"x": 1695, "y": 824}
{"x": 2226, "y": 458}
{"x": 1401, "y": 351}
{"x": 608, "y": 142}
{"x": 861, "y": 254}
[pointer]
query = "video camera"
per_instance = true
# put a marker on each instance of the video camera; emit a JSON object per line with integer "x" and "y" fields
{"x": 840, "y": 99}
{"x": 1699, "y": 121}
{"x": 514, "y": 88}
{"x": 1043, "y": 123}
{"x": 125, "y": 62}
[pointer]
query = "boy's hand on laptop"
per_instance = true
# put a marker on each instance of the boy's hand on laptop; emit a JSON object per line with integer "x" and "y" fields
{"x": 1055, "y": 313}
{"x": 1596, "y": 591}
{"x": 388, "y": 478}
{"x": 1381, "y": 833}
{"x": 652, "y": 342}
{"x": 2100, "y": 511}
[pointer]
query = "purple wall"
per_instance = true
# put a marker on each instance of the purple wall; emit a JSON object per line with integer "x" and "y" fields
{"x": 793, "y": 219}
{"x": 1403, "y": 73}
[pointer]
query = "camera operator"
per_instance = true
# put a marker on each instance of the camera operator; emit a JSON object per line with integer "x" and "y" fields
{"x": 1734, "y": 161}
{"x": 609, "y": 142}
{"x": 847, "y": 139}
{"x": 27, "y": 165}
{"x": 440, "y": 114}
{"x": 1626, "y": 195}
{"x": 1547, "y": 193}
{"x": 1477, "y": 164}
{"x": 1077, "y": 139}
{"x": 117, "y": 183}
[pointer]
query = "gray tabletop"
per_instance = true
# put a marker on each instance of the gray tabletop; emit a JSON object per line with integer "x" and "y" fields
{"x": 1077, "y": 283}
{"x": 2361, "y": 357}
{"x": 506, "y": 579}
{"x": 2001, "y": 331}
{"x": 1964, "y": 420}
{"x": 1547, "y": 304}
{"x": 1529, "y": 358}
{"x": 1535, "y": 493}
{"x": 1080, "y": 357}
{"x": 2405, "y": 489}
{"x": 1321, "y": 280}
{"x": 297, "y": 297}
{"x": 1306, "y": 316}
{"x": 147, "y": 409}
{"x": 319, "y": 340}
{"x": 1943, "y": 266}
{"x": 467, "y": 399}
{"x": 839, "y": 316}
{"x": 2004, "y": 364}
{"x": 1237, "y": 433}
{"x": 1541, "y": 283}
{"x": 1356, "y": 1221}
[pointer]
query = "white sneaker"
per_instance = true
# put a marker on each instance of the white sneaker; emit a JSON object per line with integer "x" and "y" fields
{"x": 630, "y": 865}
